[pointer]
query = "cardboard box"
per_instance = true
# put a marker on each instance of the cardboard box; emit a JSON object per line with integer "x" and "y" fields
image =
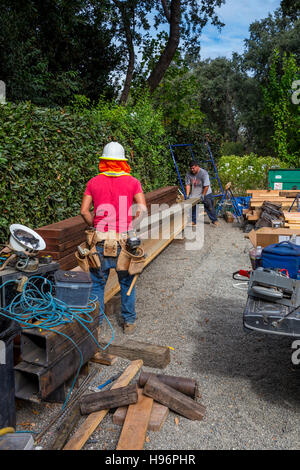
{"x": 268, "y": 236}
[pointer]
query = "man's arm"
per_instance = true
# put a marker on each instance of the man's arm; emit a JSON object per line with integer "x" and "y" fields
{"x": 140, "y": 201}
{"x": 205, "y": 189}
{"x": 85, "y": 213}
{"x": 188, "y": 190}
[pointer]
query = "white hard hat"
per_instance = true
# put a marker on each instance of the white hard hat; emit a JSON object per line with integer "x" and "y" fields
{"x": 23, "y": 238}
{"x": 113, "y": 151}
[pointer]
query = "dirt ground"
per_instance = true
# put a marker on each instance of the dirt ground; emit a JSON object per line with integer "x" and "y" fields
{"x": 186, "y": 300}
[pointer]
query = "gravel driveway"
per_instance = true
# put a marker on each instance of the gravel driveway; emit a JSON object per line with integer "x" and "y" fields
{"x": 186, "y": 300}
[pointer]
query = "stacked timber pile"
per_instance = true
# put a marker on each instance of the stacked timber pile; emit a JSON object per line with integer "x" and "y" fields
{"x": 140, "y": 407}
{"x": 166, "y": 195}
{"x": 268, "y": 207}
{"x": 62, "y": 238}
{"x": 292, "y": 220}
{"x": 270, "y": 214}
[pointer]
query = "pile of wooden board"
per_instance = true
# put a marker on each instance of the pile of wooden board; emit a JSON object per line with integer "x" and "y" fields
{"x": 140, "y": 407}
{"x": 62, "y": 238}
{"x": 292, "y": 220}
{"x": 281, "y": 198}
{"x": 166, "y": 195}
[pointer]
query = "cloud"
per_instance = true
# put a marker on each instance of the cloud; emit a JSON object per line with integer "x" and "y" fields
{"x": 237, "y": 16}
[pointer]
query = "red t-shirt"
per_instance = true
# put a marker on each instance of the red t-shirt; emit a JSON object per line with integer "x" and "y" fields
{"x": 113, "y": 199}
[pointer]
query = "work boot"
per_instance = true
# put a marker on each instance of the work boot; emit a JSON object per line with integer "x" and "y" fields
{"x": 214, "y": 224}
{"x": 129, "y": 328}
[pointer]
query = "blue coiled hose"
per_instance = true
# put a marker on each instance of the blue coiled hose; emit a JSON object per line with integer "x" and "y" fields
{"x": 38, "y": 304}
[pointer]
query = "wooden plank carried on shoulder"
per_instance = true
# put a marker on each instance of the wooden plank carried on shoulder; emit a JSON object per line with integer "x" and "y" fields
{"x": 136, "y": 424}
{"x": 94, "y": 419}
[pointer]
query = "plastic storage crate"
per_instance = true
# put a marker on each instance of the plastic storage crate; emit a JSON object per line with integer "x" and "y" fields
{"x": 73, "y": 288}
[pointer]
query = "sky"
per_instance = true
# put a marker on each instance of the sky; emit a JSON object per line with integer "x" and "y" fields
{"x": 237, "y": 16}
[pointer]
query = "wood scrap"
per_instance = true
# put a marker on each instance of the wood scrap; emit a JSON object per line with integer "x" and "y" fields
{"x": 152, "y": 355}
{"x": 136, "y": 424}
{"x": 107, "y": 399}
{"x": 66, "y": 428}
{"x": 94, "y": 419}
{"x": 104, "y": 358}
{"x": 173, "y": 399}
{"x": 183, "y": 384}
{"x": 158, "y": 416}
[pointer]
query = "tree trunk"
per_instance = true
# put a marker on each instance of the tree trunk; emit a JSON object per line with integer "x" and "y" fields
{"x": 128, "y": 22}
{"x": 166, "y": 57}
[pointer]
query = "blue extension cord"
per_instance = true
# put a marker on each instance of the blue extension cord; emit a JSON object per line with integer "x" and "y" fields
{"x": 36, "y": 304}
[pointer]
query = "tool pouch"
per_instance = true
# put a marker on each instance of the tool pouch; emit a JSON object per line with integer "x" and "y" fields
{"x": 94, "y": 258}
{"x": 110, "y": 248}
{"x": 137, "y": 262}
{"x": 91, "y": 237}
{"x": 91, "y": 260}
{"x": 83, "y": 263}
{"x": 123, "y": 260}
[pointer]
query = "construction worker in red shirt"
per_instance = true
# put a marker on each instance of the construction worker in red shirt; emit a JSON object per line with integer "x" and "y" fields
{"x": 113, "y": 193}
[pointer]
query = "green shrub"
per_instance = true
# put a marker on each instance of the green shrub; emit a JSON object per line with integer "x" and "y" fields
{"x": 232, "y": 148}
{"x": 48, "y": 155}
{"x": 247, "y": 172}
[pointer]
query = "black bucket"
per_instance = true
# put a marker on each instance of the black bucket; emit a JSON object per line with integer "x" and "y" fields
{"x": 8, "y": 330}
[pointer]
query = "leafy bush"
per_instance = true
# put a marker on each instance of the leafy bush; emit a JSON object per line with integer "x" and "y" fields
{"x": 247, "y": 172}
{"x": 232, "y": 148}
{"x": 48, "y": 155}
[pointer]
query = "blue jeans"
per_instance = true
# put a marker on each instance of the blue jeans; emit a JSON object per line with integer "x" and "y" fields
{"x": 99, "y": 278}
{"x": 209, "y": 209}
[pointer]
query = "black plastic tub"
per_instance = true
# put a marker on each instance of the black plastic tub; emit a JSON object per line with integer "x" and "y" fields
{"x": 8, "y": 330}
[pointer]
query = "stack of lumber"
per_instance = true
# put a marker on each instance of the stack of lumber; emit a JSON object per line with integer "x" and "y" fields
{"x": 166, "y": 195}
{"x": 62, "y": 238}
{"x": 140, "y": 407}
{"x": 280, "y": 198}
{"x": 292, "y": 220}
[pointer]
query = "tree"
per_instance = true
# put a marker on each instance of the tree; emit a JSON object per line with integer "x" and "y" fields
{"x": 51, "y": 49}
{"x": 276, "y": 31}
{"x": 278, "y": 102}
{"x": 291, "y": 8}
{"x": 185, "y": 20}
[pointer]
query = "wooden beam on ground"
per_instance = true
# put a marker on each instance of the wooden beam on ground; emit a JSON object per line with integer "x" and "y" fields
{"x": 104, "y": 358}
{"x": 152, "y": 355}
{"x": 66, "y": 428}
{"x": 94, "y": 419}
{"x": 173, "y": 399}
{"x": 108, "y": 399}
{"x": 135, "y": 426}
{"x": 158, "y": 416}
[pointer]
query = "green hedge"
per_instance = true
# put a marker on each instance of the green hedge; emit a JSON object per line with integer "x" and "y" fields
{"x": 48, "y": 155}
{"x": 247, "y": 172}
